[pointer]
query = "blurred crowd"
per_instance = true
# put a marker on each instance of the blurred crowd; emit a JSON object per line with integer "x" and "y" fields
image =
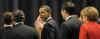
{"x": 77, "y": 24}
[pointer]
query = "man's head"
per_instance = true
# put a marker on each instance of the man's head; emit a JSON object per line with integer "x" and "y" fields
{"x": 44, "y": 12}
{"x": 89, "y": 14}
{"x": 68, "y": 9}
{"x": 19, "y": 16}
{"x": 7, "y": 18}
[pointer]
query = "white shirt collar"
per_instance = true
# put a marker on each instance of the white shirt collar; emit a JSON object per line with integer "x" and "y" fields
{"x": 5, "y": 25}
{"x": 18, "y": 23}
{"x": 49, "y": 18}
{"x": 68, "y": 17}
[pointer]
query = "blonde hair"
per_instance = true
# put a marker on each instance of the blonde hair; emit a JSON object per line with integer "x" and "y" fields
{"x": 91, "y": 13}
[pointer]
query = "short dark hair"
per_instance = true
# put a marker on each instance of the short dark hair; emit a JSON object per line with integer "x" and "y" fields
{"x": 70, "y": 8}
{"x": 19, "y": 16}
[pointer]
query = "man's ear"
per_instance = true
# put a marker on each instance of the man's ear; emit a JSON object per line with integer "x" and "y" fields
{"x": 65, "y": 12}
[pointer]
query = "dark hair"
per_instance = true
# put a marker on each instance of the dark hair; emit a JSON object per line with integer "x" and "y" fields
{"x": 7, "y": 18}
{"x": 70, "y": 8}
{"x": 19, "y": 16}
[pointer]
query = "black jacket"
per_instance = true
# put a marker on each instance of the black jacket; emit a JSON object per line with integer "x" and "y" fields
{"x": 50, "y": 30}
{"x": 0, "y": 33}
{"x": 20, "y": 31}
{"x": 70, "y": 28}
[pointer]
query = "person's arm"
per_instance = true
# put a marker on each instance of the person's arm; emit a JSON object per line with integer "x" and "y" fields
{"x": 83, "y": 33}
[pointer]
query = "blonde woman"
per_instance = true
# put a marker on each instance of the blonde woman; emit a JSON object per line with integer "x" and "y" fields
{"x": 90, "y": 29}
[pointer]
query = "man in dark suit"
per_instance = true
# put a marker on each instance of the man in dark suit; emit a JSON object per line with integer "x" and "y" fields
{"x": 50, "y": 30}
{"x": 7, "y": 25}
{"x": 19, "y": 30}
{"x": 49, "y": 27}
{"x": 26, "y": 31}
{"x": 0, "y": 24}
{"x": 71, "y": 26}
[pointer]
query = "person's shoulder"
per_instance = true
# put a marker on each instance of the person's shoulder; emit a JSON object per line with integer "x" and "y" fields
{"x": 71, "y": 23}
{"x": 74, "y": 21}
{"x": 29, "y": 27}
{"x": 85, "y": 26}
{"x": 25, "y": 28}
{"x": 66, "y": 24}
{"x": 26, "y": 31}
{"x": 52, "y": 22}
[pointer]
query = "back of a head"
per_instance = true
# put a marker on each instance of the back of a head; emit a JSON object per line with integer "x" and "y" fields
{"x": 70, "y": 8}
{"x": 7, "y": 17}
{"x": 19, "y": 16}
{"x": 68, "y": 4}
{"x": 91, "y": 13}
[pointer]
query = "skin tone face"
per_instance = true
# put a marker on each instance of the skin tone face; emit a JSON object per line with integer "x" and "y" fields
{"x": 64, "y": 14}
{"x": 43, "y": 14}
{"x": 39, "y": 23}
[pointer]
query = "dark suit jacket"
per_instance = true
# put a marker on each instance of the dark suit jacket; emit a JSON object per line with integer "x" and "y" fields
{"x": 20, "y": 31}
{"x": 70, "y": 28}
{"x": 98, "y": 20}
{"x": 0, "y": 33}
{"x": 50, "y": 30}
